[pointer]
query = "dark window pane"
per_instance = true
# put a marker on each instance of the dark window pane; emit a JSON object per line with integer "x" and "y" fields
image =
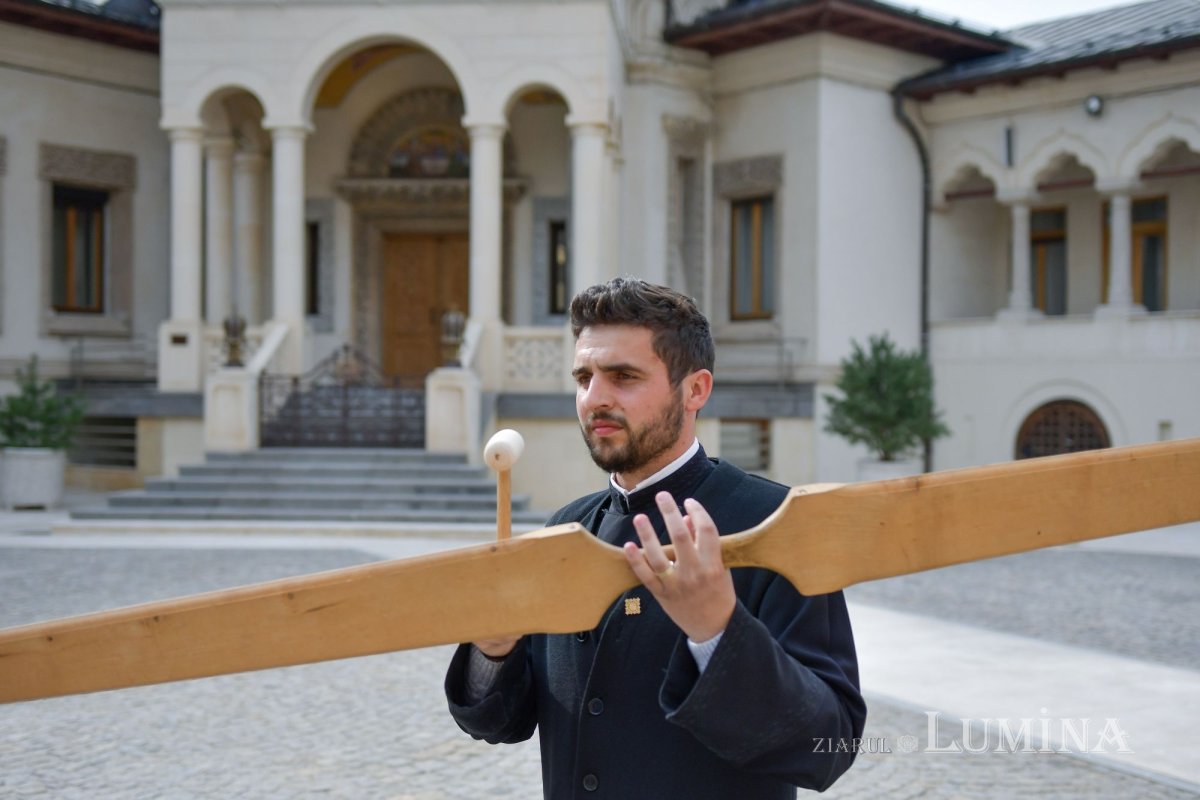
{"x": 1150, "y": 210}
{"x": 767, "y": 247}
{"x": 1153, "y": 273}
{"x": 1048, "y": 221}
{"x": 78, "y": 249}
{"x": 1056, "y": 277}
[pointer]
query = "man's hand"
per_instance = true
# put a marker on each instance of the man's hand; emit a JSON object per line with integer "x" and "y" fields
{"x": 696, "y": 590}
{"x": 497, "y": 648}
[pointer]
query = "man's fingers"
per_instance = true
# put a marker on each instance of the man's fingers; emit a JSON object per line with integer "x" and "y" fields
{"x": 708, "y": 540}
{"x": 652, "y": 552}
{"x": 677, "y": 529}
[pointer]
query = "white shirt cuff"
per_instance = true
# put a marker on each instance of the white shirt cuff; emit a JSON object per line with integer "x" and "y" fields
{"x": 703, "y": 651}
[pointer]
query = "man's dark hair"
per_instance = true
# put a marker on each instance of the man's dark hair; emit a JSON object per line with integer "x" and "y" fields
{"x": 682, "y": 338}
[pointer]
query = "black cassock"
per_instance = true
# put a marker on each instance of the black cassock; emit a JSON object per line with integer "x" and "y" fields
{"x": 622, "y": 710}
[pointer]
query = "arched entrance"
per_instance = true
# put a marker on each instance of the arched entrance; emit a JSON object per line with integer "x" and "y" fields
{"x": 1061, "y": 426}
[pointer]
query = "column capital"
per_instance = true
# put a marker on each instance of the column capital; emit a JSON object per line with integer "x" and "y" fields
{"x": 1018, "y": 196}
{"x": 186, "y": 135}
{"x": 485, "y": 128}
{"x": 582, "y": 126}
{"x": 294, "y": 132}
{"x": 1110, "y": 187}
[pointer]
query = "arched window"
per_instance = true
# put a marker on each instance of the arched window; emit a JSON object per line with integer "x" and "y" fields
{"x": 1063, "y": 426}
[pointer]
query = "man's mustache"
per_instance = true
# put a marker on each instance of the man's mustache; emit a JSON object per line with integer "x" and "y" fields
{"x": 606, "y": 416}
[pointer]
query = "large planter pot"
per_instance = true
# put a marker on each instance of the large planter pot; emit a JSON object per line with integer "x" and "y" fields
{"x": 872, "y": 470}
{"x": 32, "y": 477}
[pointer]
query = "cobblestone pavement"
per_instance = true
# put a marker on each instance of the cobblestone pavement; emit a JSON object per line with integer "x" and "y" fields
{"x": 364, "y": 728}
{"x": 1142, "y": 606}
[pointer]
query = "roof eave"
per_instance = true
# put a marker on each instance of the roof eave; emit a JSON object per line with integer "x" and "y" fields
{"x": 741, "y": 28}
{"x": 80, "y": 24}
{"x": 919, "y": 89}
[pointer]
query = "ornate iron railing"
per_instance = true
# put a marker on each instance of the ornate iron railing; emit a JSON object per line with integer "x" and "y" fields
{"x": 345, "y": 401}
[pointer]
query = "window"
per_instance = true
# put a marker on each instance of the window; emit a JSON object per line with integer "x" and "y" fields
{"x": 1048, "y": 260}
{"x": 746, "y": 443}
{"x": 752, "y": 263}
{"x": 79, "y": 249}
{"x": 558, "y": 267}
{"x": 1063, "y": 426}
{"x": 1149, "y": 253}
{"x": 312, "y": 268}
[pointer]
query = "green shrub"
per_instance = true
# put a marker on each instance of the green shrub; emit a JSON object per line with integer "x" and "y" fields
{"x": 37, "y": 416}
{"x": 887, "y": 400}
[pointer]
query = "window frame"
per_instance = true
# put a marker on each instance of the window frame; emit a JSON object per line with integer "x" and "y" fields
{"x": 112, "y": 173}
{"x": 74, "y": 201}
{"x": 1037, "y": 245}
{"x": 758, "y": 243}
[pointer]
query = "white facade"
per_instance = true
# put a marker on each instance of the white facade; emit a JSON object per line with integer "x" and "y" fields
{"x": 280, "y": 123}
{"x": 997, "y": 359}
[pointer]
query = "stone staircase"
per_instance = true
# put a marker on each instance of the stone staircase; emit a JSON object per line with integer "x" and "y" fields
{"x": 319, "y": 485}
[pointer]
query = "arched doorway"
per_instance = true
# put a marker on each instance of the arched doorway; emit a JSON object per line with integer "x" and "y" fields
{"x": 1061, "y": 426}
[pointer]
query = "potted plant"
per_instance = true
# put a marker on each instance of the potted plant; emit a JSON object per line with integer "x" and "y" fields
{"x": 36, "y": 426}
{"x": 886, "y": 404}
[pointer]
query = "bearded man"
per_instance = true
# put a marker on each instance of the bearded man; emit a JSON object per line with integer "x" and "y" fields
{"x": 701, "y": 682}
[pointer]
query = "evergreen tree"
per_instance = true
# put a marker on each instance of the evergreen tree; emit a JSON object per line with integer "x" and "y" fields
{"x": 887, "y": 401}
{"x": 37, "y": 416}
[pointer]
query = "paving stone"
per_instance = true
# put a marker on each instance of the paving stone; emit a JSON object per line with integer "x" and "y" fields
{"x": 377, "y": 727}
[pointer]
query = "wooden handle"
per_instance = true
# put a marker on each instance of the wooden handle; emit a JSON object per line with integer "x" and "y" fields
{"x": 501, "y": 452}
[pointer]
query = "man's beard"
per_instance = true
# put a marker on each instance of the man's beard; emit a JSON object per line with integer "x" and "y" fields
{"x": 642, "y": 445}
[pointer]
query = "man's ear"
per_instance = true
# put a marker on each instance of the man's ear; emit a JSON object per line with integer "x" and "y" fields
{"x": 696, "y": 389}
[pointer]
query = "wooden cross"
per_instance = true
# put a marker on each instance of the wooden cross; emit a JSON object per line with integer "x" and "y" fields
{"x": 562, "y": 579}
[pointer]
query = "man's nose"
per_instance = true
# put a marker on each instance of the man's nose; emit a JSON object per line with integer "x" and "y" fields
{"x": 596, "y": 394}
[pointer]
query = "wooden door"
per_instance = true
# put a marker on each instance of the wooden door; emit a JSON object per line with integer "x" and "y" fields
{"x": 424, "y": 275}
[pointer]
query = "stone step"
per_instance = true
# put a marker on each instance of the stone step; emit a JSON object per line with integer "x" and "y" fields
{"x": 452, "y": 472}
{"x": 273, "y": 484}
{"x": 301, "y": 516}
{"x": 363, "y": 455}
{"x": 326, "y": 499}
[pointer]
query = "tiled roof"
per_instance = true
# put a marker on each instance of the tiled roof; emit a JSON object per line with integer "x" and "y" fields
{"x": 1100, "y": 38}
{"x": 139, "y": 13}
{"x": 723, "y": 28}
{"x": 125, "y": 23}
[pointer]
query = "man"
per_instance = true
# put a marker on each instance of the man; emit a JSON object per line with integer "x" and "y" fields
{"x": 700, "y": 683}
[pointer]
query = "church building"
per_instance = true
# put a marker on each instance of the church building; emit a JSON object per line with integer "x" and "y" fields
{"x": 216, "y": 216}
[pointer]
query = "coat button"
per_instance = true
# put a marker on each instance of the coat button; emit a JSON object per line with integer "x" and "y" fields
{"x": 581, "y": 636}
{"x": 590, "y": 783}
{"x": 595, "y": 706}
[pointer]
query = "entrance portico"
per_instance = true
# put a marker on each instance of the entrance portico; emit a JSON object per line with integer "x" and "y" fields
{"x": 429, "y": 139}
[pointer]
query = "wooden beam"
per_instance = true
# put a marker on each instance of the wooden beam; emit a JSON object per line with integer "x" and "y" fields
{"x": 562, "y": 579}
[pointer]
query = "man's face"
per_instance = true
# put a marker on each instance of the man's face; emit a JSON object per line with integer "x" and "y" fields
{"x": 630, "y": 415}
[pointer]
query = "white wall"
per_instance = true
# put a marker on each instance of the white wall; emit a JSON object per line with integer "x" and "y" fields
{"x": 67, "y": 91}
{"x": 1134, "y": 375}
{"x": 968, "y": 259}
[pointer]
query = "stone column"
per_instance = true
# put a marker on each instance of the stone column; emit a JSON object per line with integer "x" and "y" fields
{"x": 218, "y": 229}
{"x": 1020, "y": 298}
{"x": 287, "y": 197}
{"x": 248, "y": 231}
{"x": 1120, "y": 253}
{"x": 181, "y": 346}
{"x": 587, "y": 196}
{"x": 487, "y": 206}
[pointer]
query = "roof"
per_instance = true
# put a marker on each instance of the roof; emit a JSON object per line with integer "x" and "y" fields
{"x": 748, "y": 23}
{"x": 1098, "y": 39}
{"x": 124, "y": 23}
